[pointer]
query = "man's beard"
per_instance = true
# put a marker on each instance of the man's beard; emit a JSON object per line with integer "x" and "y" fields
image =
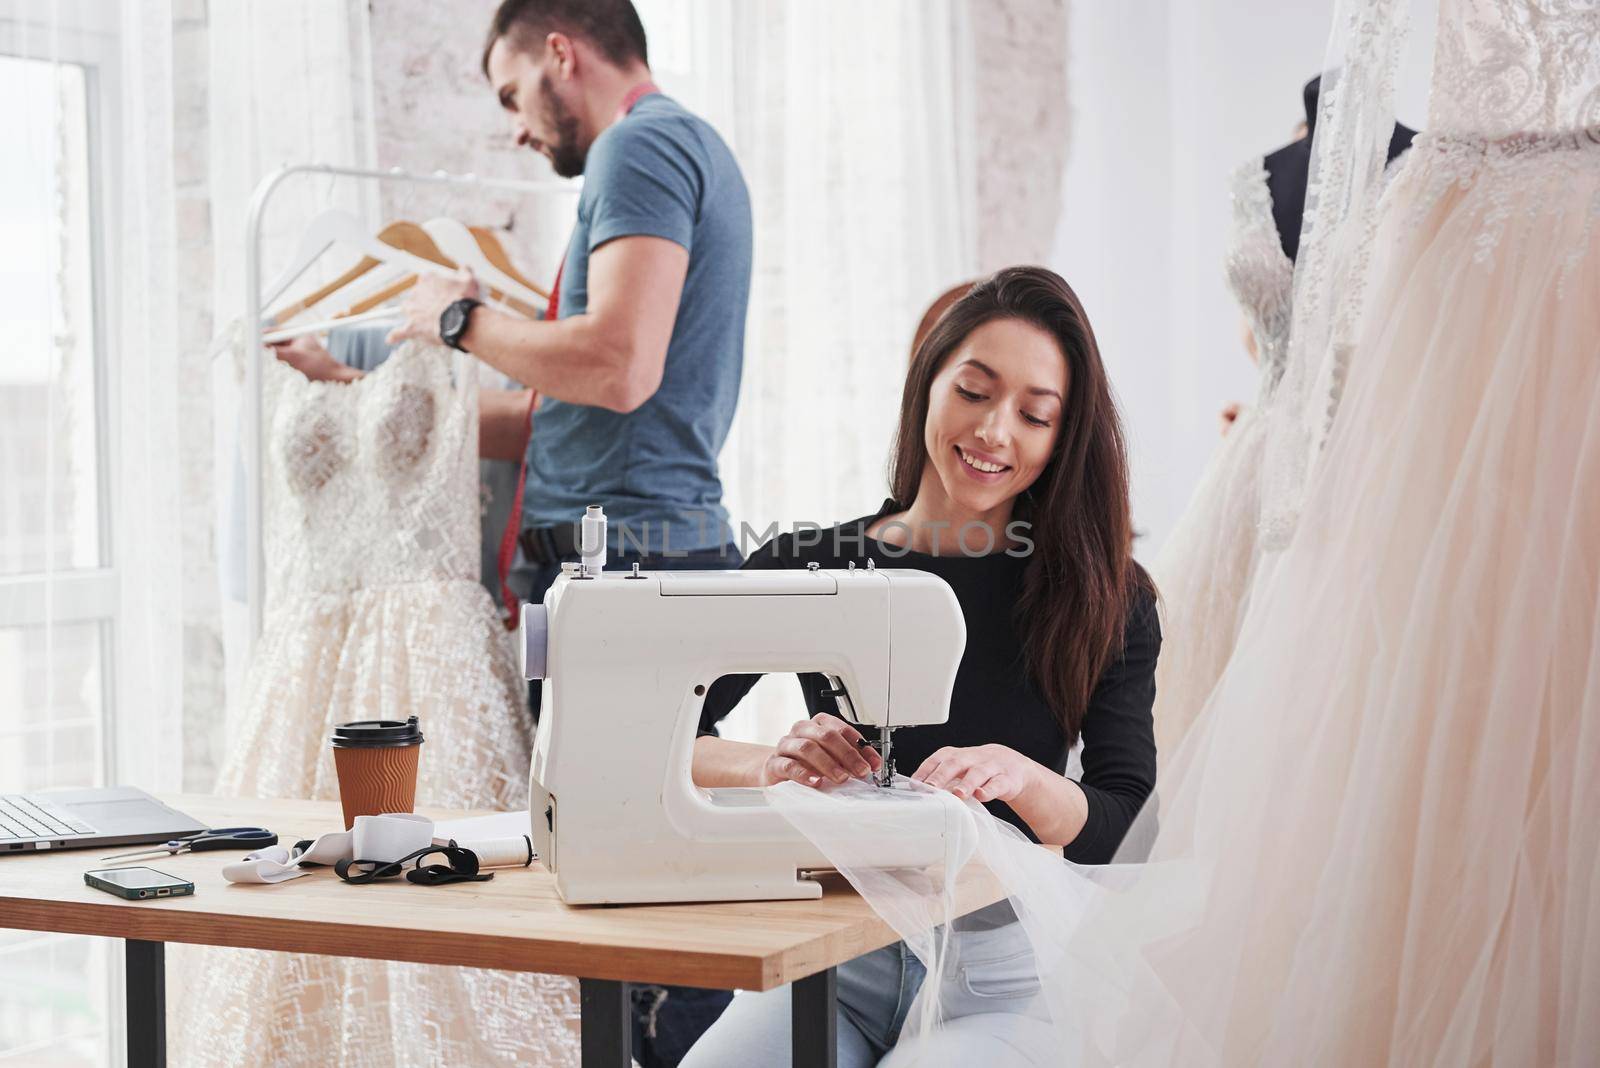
{"x": 567, "y": 158}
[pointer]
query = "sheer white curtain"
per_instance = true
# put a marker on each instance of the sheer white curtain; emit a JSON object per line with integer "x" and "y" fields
{"x": 853, "y": 125}
{"x": 145, "y": 464}
{"x": 290, "y": 81}
{"x": 92, "y": 556}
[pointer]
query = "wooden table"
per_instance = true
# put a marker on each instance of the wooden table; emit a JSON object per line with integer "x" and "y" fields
{"x": 514, "y": 921}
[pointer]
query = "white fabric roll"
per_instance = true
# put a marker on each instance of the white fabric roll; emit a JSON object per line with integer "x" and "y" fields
{"x": 389, "y": 837}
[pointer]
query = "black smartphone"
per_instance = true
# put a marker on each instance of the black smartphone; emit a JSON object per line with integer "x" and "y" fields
{"x": 137, "y": 883}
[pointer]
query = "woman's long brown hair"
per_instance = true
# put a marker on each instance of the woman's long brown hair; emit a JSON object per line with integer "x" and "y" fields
{"x": 1081, "y": 576}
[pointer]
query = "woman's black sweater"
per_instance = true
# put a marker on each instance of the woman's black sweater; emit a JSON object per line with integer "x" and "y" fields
{"x": 994, "y": 699}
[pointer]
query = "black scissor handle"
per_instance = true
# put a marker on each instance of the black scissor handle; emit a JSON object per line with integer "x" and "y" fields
{"x": 232, "y": 838}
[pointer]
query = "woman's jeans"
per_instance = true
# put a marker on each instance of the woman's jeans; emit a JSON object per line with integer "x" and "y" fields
{"x": 993, "y": 1015}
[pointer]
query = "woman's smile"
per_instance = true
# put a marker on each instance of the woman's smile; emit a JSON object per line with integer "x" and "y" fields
{"x": 981, "y": 466}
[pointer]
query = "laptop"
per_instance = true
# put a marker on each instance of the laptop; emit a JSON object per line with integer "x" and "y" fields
{"x": 82, "y": 819}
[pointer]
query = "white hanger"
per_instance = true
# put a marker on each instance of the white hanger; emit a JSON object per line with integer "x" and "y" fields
{"x": 457, "y": 242}
{"x": 338, "y": 227}
{"x": 380, "y": 277}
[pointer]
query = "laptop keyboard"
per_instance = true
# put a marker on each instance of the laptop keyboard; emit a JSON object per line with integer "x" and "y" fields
{"x": 22, "y": 816}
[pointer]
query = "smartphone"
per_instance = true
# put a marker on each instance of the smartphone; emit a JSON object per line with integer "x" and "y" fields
{"x": 137, "y": 883}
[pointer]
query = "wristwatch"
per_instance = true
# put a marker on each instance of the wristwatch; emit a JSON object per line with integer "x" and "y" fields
{"x": 454, "y": 320}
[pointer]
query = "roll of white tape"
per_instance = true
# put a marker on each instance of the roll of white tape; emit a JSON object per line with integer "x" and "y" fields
{"x": 391, "y": 836}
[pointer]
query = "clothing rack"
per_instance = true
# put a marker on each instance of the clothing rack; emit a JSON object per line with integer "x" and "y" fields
{"x": 254, "y": 441}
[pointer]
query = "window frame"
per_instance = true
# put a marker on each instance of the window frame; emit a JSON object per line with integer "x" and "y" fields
{"x": 83, "y": 35}
{"x": 88, "y": 35}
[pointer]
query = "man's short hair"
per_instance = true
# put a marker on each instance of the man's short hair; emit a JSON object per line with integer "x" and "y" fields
{"x": 612, "y": 26}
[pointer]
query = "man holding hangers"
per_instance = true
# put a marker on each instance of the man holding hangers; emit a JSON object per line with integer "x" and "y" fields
{"x": 638, "y": 371}
{"x": 638, "y": 361}
{"x": 639, "y": 367}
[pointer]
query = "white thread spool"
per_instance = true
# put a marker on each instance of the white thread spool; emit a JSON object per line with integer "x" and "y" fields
{"x": 516, "y": 852}
{"x": 592, "y": 540}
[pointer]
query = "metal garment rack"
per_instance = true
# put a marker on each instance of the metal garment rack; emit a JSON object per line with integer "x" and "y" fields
{"x": 254, "y": 442}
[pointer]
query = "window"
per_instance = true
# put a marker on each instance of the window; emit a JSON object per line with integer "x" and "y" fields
{"x": 57, "y": 584}
{"x": 53, "y": 561}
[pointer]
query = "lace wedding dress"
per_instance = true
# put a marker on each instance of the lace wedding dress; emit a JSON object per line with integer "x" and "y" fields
{"x": 374, "y": 611}
{"x": 1206, "y": 565}
{"x": 1379, "y": 843}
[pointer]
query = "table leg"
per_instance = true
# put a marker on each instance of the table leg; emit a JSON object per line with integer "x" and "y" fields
{"x": 145, "y": 979}
{"x": 814, "y": 1023}
{"x": 606, "y": 1021}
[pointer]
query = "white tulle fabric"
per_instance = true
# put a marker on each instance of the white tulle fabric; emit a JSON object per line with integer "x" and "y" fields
{"x": 1206, "y": 565}
{"x": 1378, "y": 845}
{"x": 1355, "y": 122}
{"x": 375, "y": 611}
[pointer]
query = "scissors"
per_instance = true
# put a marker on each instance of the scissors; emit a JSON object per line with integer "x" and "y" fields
{"x": 206, "y": 841}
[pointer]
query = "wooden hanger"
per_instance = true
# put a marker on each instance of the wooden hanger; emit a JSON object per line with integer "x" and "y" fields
{"x": 418, "y": 242}
{"x": 317, "y": 296}
{"x": 330, "y": 228}
{"x": 457, "y": 242}
{"x": 410, "y": 238}
{"x": 495, "y": 253}
{"x": 338, "y": 227}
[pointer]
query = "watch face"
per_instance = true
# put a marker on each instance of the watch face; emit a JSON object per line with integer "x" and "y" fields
{"x": 454, "y": 318}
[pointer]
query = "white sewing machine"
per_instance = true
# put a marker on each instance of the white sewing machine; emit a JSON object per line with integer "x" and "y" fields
{"x": 626, "y": 660}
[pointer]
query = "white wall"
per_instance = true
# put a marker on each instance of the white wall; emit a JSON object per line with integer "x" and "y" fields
{"x": 1167, "y": 99}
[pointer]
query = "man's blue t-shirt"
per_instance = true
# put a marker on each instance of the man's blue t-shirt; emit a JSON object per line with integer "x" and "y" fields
{"x": 663, "y": 172}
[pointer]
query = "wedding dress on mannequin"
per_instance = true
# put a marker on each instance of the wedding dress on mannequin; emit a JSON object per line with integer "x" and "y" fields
{"x": 1378, "y": 845}
{"x": 375, "y": 610}
{"x": 1206, "y": 565}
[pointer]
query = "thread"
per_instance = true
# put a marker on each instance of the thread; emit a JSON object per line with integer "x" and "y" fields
{"x": 592, "y": 539}
{"x": 515, "y": 852}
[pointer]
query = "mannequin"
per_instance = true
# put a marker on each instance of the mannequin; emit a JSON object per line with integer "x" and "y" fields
{"x": 1288, "y": 166}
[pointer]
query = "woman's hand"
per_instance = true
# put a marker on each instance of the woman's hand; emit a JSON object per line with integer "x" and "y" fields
{"x": 308, "y": 356}
{"x": 981, "y": 772}
{"x": 823, "y": 747}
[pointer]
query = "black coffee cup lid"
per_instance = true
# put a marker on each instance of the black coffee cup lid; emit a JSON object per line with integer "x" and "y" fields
{"x": 377, "y": 734}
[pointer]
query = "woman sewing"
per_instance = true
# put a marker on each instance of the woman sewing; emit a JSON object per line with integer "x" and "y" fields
{"x": 1010, "y": 482}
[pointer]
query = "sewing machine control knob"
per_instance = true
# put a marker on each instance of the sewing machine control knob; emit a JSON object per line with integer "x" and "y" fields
{"x": 533, "y": 639}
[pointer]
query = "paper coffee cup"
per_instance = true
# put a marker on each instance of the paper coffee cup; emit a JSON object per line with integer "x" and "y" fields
{"x": 376, "y": 761}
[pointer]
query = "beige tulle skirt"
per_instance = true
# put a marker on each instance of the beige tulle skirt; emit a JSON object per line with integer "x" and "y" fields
{"x": 1204, "y": 573}
{"x": 1379, "y": 842}
{"x": 1383, "y": 833}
